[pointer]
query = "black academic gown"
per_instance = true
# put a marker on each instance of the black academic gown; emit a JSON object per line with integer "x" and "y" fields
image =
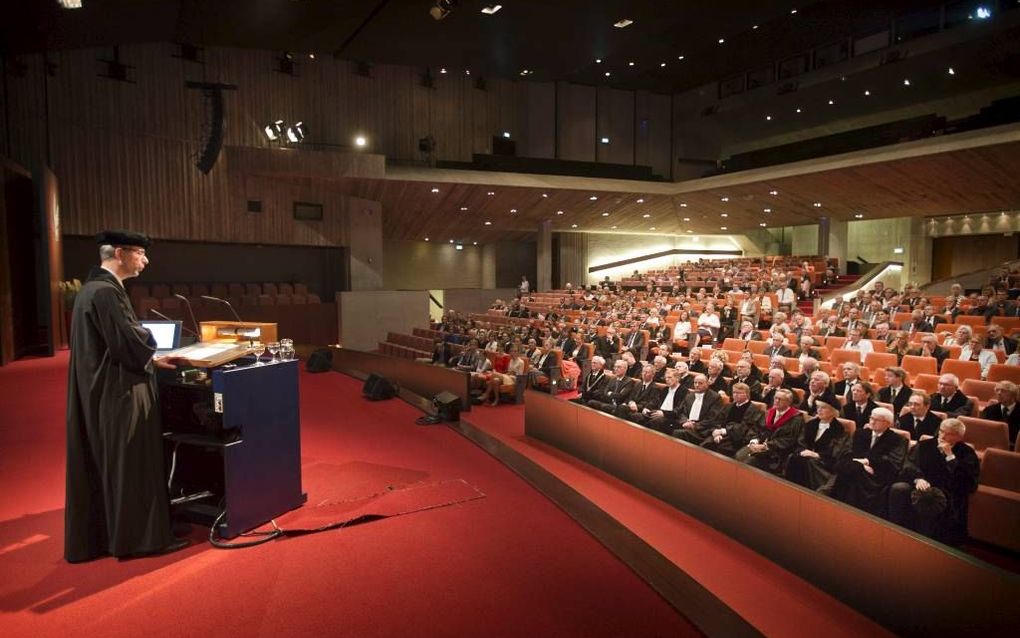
{"x": 957, "y": 479}
{"x": 854, "y": 485}
{"x": 742, "y": 423}
{"x": 810, "y": 472}
{"x": 117, "y": 500}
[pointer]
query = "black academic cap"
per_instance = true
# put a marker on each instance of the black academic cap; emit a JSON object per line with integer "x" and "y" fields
{"x": 122, "y": 238}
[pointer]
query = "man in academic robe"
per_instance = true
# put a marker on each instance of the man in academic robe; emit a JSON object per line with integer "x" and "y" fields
{"x": 742, "y": 374}
{"x": 1004, "y": 408}
{"x": 769, "y": 448}
{"x": 117, "y": 500}
{"x": 870, "y": 465}
{"x": 737, "y": 424}
{"x": 945, "y": 464}
{"x": 614, "y": 391}
{"x": 591, "y": 385}
{"x": 949, "y": 399}
{"x": 645, "y": 395}
{"x": 819, "y": 445}
{"x": 895, "y": 392}
{"x": 818, "y": 390}
{"x": 699, "y": 411}
{"x": 918, "y": 419}
{"x": 858, "y": 409}
{"x": 716, "y": 381}
{"x": 695, "y": 364}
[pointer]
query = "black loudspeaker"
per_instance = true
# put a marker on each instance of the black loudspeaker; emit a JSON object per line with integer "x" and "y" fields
{"x": 320, "y": 360}
{"x": 378, "y": 388}
{"x": 447, "y": 406}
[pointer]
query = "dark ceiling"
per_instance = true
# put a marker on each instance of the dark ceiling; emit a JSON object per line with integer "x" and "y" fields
{"x": 556, "y": 40}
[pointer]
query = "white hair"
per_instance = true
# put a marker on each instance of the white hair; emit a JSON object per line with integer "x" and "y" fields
{"x": 883, "y": 413}
{"x": 598, "y": 359}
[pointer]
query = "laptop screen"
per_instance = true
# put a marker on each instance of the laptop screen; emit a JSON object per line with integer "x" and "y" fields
{"x": 166, "y": 333}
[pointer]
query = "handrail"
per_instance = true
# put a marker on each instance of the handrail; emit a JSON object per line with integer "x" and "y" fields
{"x": 827, "y": 299}
{"x": 435, "y": 301}
{"x": 972, "y": 273}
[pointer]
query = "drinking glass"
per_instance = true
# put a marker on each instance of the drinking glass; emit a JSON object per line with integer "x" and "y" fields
{"x": 273, "y": 347}
{"x": 286, "y": 349}
{"x": 258, "y": 348}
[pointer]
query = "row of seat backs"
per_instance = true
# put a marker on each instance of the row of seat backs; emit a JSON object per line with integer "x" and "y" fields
{"x": 221, "y": 290}
{"x": 173, "y": 304}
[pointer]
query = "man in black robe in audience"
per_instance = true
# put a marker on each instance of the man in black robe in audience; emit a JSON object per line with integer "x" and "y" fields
{"x": 949, "y": 399}
{"x": 645, "y": 395}
{"x": 945, "y": 464}
{"x": 591, "y": 385}
{"x": 117, "y": 499}
{"x": 769, "y": 448}
{"x": 870, "y": 465}
{"x": 614, "y": 391}
{"x": 1004, "y": 408}
{"x": 738, "y": 423}
{"x": 819, "y": 445}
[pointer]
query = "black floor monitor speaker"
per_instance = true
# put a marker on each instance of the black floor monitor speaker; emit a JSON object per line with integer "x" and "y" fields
{"x": 320, "y": 360}
{"x": 447, "y": 406}
{"x": 378, "y": 388}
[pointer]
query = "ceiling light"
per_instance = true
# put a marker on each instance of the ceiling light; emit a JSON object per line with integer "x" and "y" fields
{"x": 463, "y": 207}
{"x": 70, "y": 4}
{"x": 662, "y": 65}
{"x": 491, "y": 9}
{"x": 680, "y": 57}
{"x": 767, "y": 210}
{"x": 506, "y": 135}
{"x": 459, "y": 246}
{"x": 612, "y": 227}
{"x": 725, "y": 199}
{"x": 768, "y": 118}
{"x": 831, "y": 102}
{"x": 906, "y": 82}
{"x": 691, "y": 231}
{"x": 683, "y": 204}
{"x": 311, "y": 56}
{"x": 798, "y": 110}
{"x": 793, "y": 12}
{"x": 722, "y": 40}
{"x": 859, "y": 216}
{"x": 722, "y": 228}
{"x": 451, "y": 241}
{"x": 274, "y": 130}
{"x": 983, "y": 13}
{"x": 608, "y": 73}
{"x": 817, "y": 204}
{"x": 525, "y": 72}
{"x": 488, "y": 223}
{"x": 490, "y": 193}
{"x": 573, "y": 225}
{"x": 435, "y": 189}
{"x": 763, "y": 224}
{"x": 754, "y": 28}
{"x": 652, "y": 228}
{"x": 426, "y": 239}
{"x": 687, "y": 219}
{"x": 951, "y": 71}
{"x": 897, "y": 251}
{"x": 646, "y": 216}
{"x": 545, "y": 195}
{"x": 598, "y": 60}
{"x": 296, "y": 133}
{"x": 630, "y": 64}
{"x": 867, "y": 92}
{"x": 360, "y": 141}
{"x": 604, "y": 140}
{"x": 640, "y": 200}
{"x": 467, "y": 72}
{"x": 723, "y": 215}
{"x": 593, "y": 198}
{"x": 622, "y": 24}
{"x": 443, "y": 70}
{"x": 513, "y": 210}
{"x": 559, "y": 212}
{"x": 474, "y": 243}
{"x": 605, "y": 214}
{"x": 773, "y": 192}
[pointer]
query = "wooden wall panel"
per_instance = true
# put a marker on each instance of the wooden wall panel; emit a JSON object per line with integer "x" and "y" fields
{"x": 616, "y": 122}
{"x": 573, "y": 258}
{"x": 575, "y": 122}
{"x": 538, "y": 138}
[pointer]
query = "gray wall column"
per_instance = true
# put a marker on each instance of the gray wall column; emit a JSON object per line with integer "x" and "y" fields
{"x": 544, "y": 257}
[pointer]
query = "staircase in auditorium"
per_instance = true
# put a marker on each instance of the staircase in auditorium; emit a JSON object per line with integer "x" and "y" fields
{"x": 807, "y": 306}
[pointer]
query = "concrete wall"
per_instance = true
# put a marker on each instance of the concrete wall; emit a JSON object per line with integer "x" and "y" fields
{"x": 475, "y": 300}
{"x": 605, "y": 248}
{"x": 421, "y": 265}
{"x": 804, "y": 240}
{"x": 366, "y": 316}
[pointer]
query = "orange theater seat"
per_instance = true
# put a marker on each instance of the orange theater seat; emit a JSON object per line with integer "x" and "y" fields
{"x": 994, "y": 512}
{"x": 981, "y": 391}
{"x": 839, "y": 357}
{"x": 984, "y": 434}
{"x": 915, "y": 365}
{"x": 1003, "y": 372}
{"x": 962, "y": 369}
{"x": 928, "y": 383}
{"x": 876, "y": 360}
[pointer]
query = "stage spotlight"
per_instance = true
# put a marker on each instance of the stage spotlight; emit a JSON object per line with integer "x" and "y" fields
{"x": 274, "y": 130}
{"x": 442, "y": 9}
{"x": 296, "y": 133}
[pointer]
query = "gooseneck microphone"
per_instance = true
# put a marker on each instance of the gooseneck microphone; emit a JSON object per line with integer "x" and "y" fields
{"x": 224, "y": 302}
{"x": 166, "y": 318}
{"x": 190, "y": 311}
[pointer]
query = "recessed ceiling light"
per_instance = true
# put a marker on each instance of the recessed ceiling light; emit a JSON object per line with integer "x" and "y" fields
{"x": 559, "y": 212}
{"x": 426, "y": 239}
{"x": 488, "y": 223}
{"x": 506, "y": 134}
{"x": 463, "y": 207}
{"x": 608, "y": 73}
{"x": 468, "y": 72}
{"x": 906, "y": 82}
{"x": 451, "y": 241}
{"x": 773, "y": 192}
{"x": 474, "y": 243}
{"x": 722, "y": 228}
{"x": 652, "y": 228}
{"x": 622, "y": 24}
{"x": 680, "y": 57}
{"x": 798, "y": 110}
{"x": 817, "y": 204}
{"x": 640, "y": 200}
{"x": 859, "y": 216}
{"x": 722, "y": 40}
{"x": 605, "y": 214}
{"x": 683, "y": 204}
{"x": 723, "y": 215}
{"x": 725, "y": 199}
{"x": 767, "y": 210}
{"x": 687, "y": 219}
{"x": 311, "y": 56}
{"x": 490, "y": 193}
{"x": 360, "y": 141}
{"x": 598, "y": 60}
{"x": 831, "y": 102}
{"x": 646, "y": 216}
{"x": 612, "y": 227}
{"x": 867, "y": 93}
{"x": 951, "y": 71}
{"x": 435, "y": 190}
{"x": 763, "y": 224}
{"x": 443, "y": 70}
{"x": 662, "y": 65}
{"x": 593, "y": 198}
{"x": 630, "y": 63}
{"x": 690, "y": 231}
{"x": 754, "y": 28}
{"x": 768, "y": 118}
{"x": 513, "y": 210}
{"x": 793, "y": 12}
{"x": 459, "y": 246}
{"x": 604, "y": 140}
{"x": 545, "y": 194}
{"x": 491, "y": 9}
{"x": 573, "y": 225}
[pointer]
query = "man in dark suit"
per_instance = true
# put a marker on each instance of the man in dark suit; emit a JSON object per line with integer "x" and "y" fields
{"x": 806, "y": 348}
{"x": 694, "y": 362}
{"x": 608, "y": 344}
{"x": 716, "y": 381}
{"x": 633, "y": 341}
{"x": 776, "y": 382}
{"x": 663, "y": 416}
{"x": 948, "y": 465}
{"x": 591, "y": 385}
{"x": 996, "y": 340}
{"x": 738, "y": 424}
{"x": 896, "y": 392}
{"x": 769, "y": 448}
{"x": 858, "y": 409}
{"x": 1004, "y": 408}
{"x": 821, "y": 442}
{"x": 870, "y": 465}
{"x": 918, "y": 419}
{"x": 615, "y": 391}
{"x": 851, "y": 375}
{"x": 777, "y": 347}
{"x": 818, "y": 391}
{"x": 700, "y": 410}
{"x": 742, "y": 374}
{"x": 747, "y": 332}
{"x": 929, "y": 320}
{"x": 645, "y": 394}
{"x": 930, "y": 348}
{"x": 949, "y": 399}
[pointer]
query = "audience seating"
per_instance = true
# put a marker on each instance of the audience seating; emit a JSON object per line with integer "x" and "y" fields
{"x": 962, "y": 369}
{"x": 926, "y": 382}
{"x": 1003, "y": 372}
{"x": 980, "y": 391}
{"x": 983, "y": 434}
{"x": 915, "y": 365}
{"x": 875, "y": 360}
{"x": 994, "y": 510}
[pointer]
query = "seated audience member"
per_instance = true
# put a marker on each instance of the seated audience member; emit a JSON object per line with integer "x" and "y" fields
{"x": 895, "y": 392}
{"x": 663, "y": 416}
{"x": 645, "y": 394}
{"x": 709, "y": 324}
{"x": 929, "y": 320}
{"x": 831, "y": 328}
{"x": 727, "y": 319}
{"x": 716, "y": 381}
{"x": 747, "y": 332}
{"x": 633, "y": 341}
{"x": 694, "y": 362}
{"x": 742, "y": 374}
{"x": 756, "y": 372}
{"x": 659, "y": 366}
{"x": 851, "y": 375}
{"x": 935, "y": 486}
{"x": 806, "y": 349}
{"x": 473, "y": 361}
{"x": 1004, "y": 408}
{"x": 949, "y": 399}
{"x": 614, "y": 391}
{"x": 769, "y": 448}
{"x": 592, "y": 383}
{"x": 818, "y": 391}
{"x": 504, "y": 373}
{"x": 930, "y": 348}
{"x": 882, "y": 333}
{"x": 776, "y": 380}
{"x": 633, "y": 365}
{"x": 858, "y": 409}
{"x": 917, "y": 419}
{"x": 996, "y": 340}
{"x": 545, "y": 361}
{"x": 699, "y": 410}
{"x": 914, "y": 323}
{"x": 739, "y": 422}
{"x": 750, "y": 307}
{"x": 682, "y": 329}
{"x": 821, "y": 442}
{"x": 607, "y": 345}
{"x": 869, "y": 465}
{"x": 855, "y": 342}
{"x": 961, "y": 337}
{"x": 899, "y": 346}
{"x": 975, "y": 350}
{"x": 777, "y": 347}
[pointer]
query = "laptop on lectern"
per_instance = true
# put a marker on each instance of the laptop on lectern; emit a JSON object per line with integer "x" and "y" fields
{"x": 166, "y": 333}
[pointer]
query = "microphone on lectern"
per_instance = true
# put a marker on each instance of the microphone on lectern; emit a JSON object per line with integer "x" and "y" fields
{"x": 224, "y": 302}
{"x": 166, "y": 318}
{"x": 190, "y": 311}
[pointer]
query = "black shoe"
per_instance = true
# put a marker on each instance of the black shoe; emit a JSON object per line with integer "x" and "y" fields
{"x": 176, "y": 545}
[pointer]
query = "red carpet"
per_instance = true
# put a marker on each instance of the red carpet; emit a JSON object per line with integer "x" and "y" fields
{"x": 509, "y": 564}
